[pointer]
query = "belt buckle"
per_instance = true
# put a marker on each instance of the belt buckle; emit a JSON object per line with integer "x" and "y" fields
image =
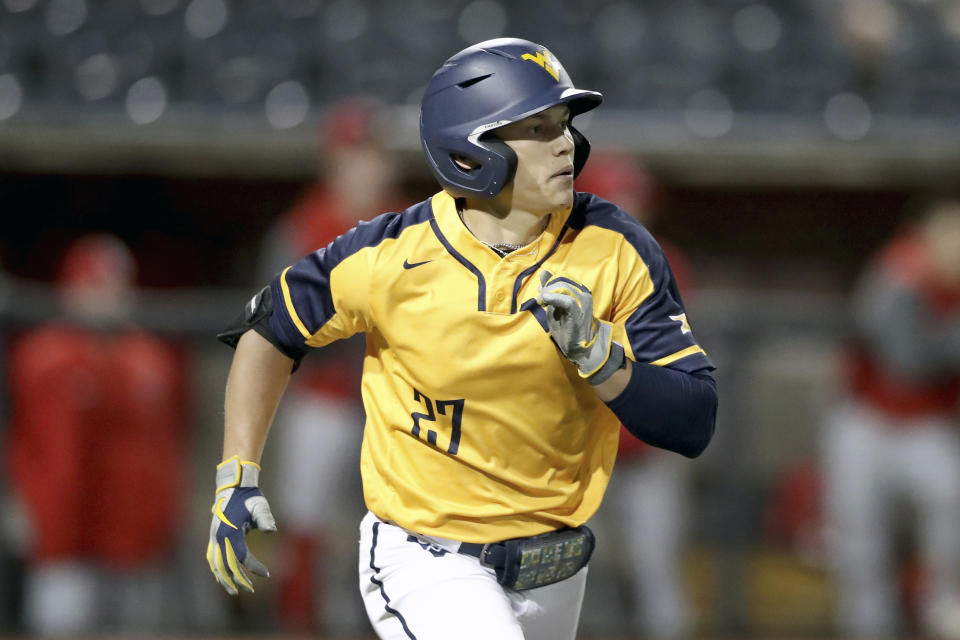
{"x": 484, "y": 560}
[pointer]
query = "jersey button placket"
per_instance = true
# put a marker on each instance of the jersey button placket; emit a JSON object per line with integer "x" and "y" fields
{"x": 500, "y": 284}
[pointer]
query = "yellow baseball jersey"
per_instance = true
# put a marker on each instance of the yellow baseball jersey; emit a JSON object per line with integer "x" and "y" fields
{"x": 477, "y": 427}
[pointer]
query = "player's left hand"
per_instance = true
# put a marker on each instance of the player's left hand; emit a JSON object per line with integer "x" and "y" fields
{"x": 238, "y": 507}
{"x": 583, "y": 339}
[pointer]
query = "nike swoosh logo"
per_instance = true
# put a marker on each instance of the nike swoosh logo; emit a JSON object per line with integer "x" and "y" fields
{"x": 217, "y": 511}
{"x": 411, "y": 265}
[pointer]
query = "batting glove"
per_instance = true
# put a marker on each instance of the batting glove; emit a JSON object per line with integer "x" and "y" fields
{"x": 583, "y": 339}
{"x": 238, "y": 507}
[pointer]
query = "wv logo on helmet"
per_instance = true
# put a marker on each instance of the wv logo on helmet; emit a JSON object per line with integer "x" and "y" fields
{"x": 548, "y": 65}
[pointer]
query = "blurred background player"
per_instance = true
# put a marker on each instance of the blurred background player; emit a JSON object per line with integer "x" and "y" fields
{"x": 894, "y": 440}
{"x": 95, "y": 453}
{"x": 320, "y": 425}
{"x": 646, "y": 503}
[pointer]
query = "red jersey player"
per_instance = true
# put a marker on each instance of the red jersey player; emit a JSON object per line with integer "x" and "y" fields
{"x": 95, "y": 453}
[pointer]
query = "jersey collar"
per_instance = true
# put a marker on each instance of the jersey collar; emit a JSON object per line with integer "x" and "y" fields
{"x": 456, "y": 233}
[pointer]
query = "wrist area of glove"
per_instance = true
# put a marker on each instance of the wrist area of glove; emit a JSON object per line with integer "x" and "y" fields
{"x": 602, "y": 357}
{"x": 234, "y": 473}
{"x": 614, "y": 362}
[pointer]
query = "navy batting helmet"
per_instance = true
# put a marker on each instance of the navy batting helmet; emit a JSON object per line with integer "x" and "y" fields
{"x": 484, "y": 87}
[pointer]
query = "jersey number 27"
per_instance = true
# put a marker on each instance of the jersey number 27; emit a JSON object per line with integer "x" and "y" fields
{"x": 443, "y": 406}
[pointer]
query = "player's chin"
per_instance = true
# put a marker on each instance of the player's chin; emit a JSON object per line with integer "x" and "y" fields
{"x": 560, "y": 193}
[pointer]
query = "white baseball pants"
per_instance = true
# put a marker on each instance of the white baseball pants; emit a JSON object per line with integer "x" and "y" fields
{"x": 419, "y": 588}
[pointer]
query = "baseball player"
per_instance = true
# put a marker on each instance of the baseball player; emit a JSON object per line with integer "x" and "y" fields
{"x": 511, "y": 324}
{"x": 91, "y": 392}
{"x": 319, "y": 427}
{"x": 644, "y": 514}
{"x": 891, "y": 439}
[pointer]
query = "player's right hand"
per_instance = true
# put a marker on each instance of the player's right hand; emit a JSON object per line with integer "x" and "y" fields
{"x": 237, "y": 507}
{"x": 582, "y": 338}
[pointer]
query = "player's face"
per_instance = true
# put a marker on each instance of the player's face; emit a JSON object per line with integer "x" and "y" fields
{"x": 544, "y": 147}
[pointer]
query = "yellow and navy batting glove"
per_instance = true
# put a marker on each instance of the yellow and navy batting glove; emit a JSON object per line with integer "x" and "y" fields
{"x": 583, "y": 339}
{"x": 238, "y": 507}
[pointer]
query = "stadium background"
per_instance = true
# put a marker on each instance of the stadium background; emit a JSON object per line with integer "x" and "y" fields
{"x": 788, "y": 138}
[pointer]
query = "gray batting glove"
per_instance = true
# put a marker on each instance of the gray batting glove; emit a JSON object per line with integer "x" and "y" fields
{"x": 584, "y": 340}
{"x": 238, "y": 507}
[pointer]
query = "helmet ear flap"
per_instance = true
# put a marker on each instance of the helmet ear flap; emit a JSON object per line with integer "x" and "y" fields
{"x": 495, "y": 164}
{"x": 506, "y": 169}
{"x": 581, "y": 150}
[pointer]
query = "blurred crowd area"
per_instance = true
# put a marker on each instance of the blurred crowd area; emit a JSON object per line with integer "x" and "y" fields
{"x": 849, "y": 66}
{"x": 827, "y": 293}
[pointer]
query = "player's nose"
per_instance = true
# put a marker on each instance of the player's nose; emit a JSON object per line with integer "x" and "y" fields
{"x": 563, "y": 143}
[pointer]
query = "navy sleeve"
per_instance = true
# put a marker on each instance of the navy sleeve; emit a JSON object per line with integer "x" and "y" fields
{"x": 668, "y": 408}
{"x": 256, "y": 315}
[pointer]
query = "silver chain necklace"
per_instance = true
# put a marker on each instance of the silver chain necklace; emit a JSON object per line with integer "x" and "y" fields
{"x": 504, "y": 246}
{"x": 497, "y": 246}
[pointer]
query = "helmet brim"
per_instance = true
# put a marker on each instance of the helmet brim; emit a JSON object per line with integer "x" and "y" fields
{"x": 577, "y": 100}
